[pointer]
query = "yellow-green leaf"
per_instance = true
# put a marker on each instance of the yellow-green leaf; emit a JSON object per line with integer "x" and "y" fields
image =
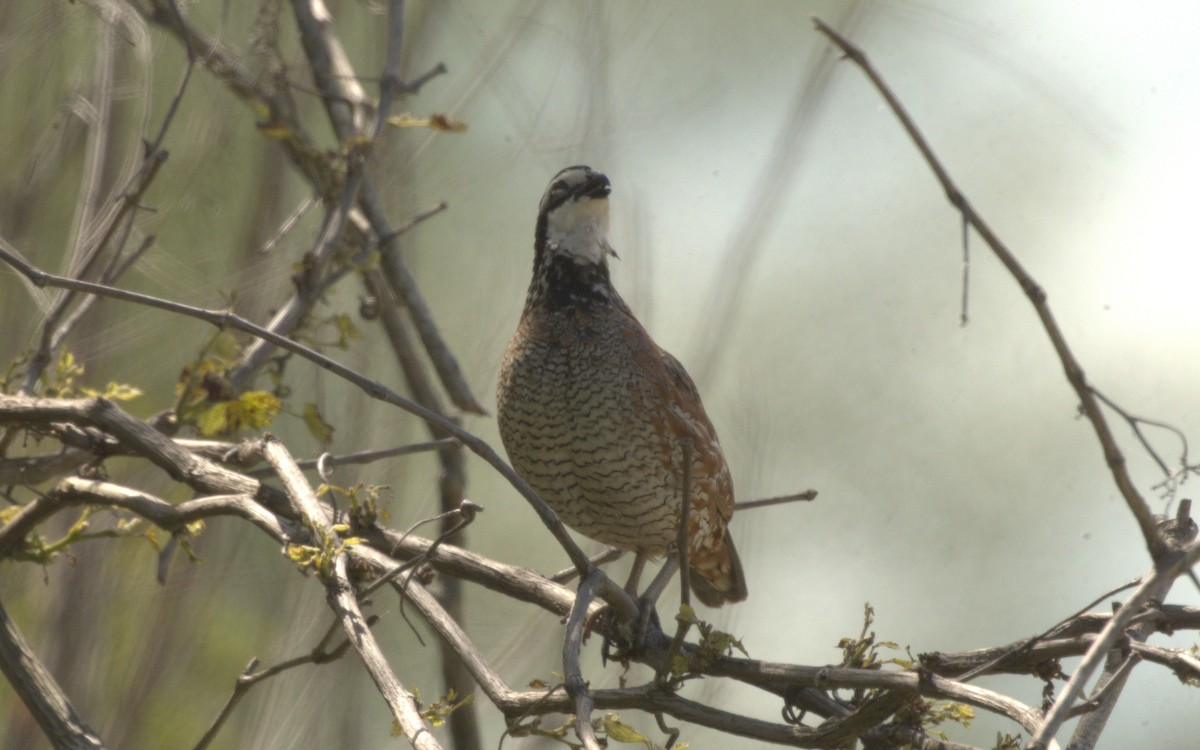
{"x": 346, "y": 329}
{"x": 254, "y": 409}
{"x": 619, "y": 731}
{"x": 275, "y": 130}
{"x": 320, "y": 429}
{"x": 213, "y": 420}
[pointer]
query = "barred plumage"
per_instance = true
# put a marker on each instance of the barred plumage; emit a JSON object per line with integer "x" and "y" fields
{"x": 594, "y": 414}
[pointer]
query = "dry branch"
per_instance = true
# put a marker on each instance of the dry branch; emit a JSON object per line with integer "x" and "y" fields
{"x": 381, "y": 549}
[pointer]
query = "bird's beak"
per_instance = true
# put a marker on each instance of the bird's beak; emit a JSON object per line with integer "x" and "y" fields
{"x": 597, "y": 186}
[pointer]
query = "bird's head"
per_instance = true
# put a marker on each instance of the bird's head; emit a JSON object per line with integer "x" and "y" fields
{"x": 573, "y": 216}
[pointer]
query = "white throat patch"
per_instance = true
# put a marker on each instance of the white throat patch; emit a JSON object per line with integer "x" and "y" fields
{"x": 579, "y": 228}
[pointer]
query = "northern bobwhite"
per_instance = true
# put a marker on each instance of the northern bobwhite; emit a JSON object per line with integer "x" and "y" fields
{"x": 594, "y": 414}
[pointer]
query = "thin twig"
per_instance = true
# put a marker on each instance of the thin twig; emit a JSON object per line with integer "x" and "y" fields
{"x": 122, "y": 214}
{"x": 366, "y": 457}
{"x": 291, "y": 221}
{"x": 1104, "y": 690}
{"x": 805, "y": 496}
{"x": 409, "y": 225}
{"x": 320, "y": 654}
{"x": 1135, "y": 423}
{"x": 464, "y": 515}
{"x": 1028, "y": 644}
{"x": 683, "y": 621}
{"x": 671, "y": 732}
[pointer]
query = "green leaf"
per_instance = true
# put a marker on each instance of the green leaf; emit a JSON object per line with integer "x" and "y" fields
{"x": 346, "y": 329}
{"x": 254, "y": 409}
{"x": 619, "y": 731}
{"x": 320, "y": 429}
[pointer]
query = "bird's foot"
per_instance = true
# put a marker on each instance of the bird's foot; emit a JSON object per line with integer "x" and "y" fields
{"x": 628, "y": 639}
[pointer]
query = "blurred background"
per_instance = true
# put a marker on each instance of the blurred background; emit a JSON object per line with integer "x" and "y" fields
{"x": 777, "y": 232}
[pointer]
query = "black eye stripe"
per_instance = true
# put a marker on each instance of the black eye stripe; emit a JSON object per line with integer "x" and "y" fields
{"x": 566, "y": 185}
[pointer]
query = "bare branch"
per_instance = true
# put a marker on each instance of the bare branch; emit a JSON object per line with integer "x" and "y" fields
{"x": 34, "y": 470}
{"x": 1037, "y": 297}
{"x": 366, "y": 457}
{"x": 374, "y": 389}
{"x": 1029, "y": 644}
{"x": 345, "y": 101}
{"x": 806, "y": 496}
{"x": 1178, "y": 533}
{"x": 344, "y": 600}
{"x": 288, "y": 223}
{"x": 403, "y": 706}
{"x": 320, "y": 654}
{"x": 1135, "y": 424}
{"x": 303, "y": 499}
{"x": 197, "y": 472}
{"x": 400, "y": 279}
{"x": 1165, "y": 571}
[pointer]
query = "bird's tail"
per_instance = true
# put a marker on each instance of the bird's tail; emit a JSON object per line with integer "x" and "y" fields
{"x": 718, "y": 578}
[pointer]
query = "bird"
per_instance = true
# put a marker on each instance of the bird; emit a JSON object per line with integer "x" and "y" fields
{"x": 597, "y": 417}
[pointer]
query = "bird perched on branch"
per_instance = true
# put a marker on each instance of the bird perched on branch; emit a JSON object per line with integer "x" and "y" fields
{"x": 597, "y": 417}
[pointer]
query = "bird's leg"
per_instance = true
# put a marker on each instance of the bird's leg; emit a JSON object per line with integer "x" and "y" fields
{"x": 611, "y": 633}
{"x": 649, "y": 597}
{"x": 659, "y": 584}
{"x": 645, "y": 607}
{"x": 635, "y": 574}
